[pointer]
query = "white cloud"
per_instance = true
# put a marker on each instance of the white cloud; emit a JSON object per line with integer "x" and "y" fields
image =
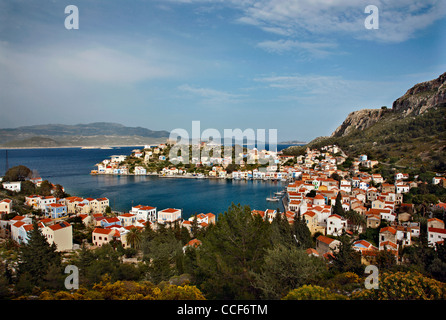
{"x": 317, "y": 49}
{"x": 399, "y": 19}
{"x": 109, "y": 65}
{"x": 210, "y": 95}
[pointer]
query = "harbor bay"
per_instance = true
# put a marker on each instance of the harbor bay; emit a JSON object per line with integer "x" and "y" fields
{"x": 70, "y": 167}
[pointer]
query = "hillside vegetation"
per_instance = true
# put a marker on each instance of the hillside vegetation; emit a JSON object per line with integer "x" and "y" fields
{"x": 410, "y": 135}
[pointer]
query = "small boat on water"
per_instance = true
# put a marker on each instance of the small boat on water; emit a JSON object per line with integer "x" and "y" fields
{"x": 272, "y": 199}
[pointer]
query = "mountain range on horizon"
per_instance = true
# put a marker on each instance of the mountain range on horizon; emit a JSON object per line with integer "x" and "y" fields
{"x": 80, "y": 135}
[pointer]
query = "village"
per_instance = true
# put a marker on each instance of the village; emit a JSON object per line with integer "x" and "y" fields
{"x": 331, "y": 201}
{"x": 154, "y": 160}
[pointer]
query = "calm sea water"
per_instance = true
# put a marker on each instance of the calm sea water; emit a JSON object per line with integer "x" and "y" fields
{"x": 71, "y": 168}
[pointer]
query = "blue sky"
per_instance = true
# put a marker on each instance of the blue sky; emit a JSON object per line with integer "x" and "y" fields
{"x": 296, "y": 66}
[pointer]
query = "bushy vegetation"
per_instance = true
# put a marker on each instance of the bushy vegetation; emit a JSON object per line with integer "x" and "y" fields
{"x": 411, "y": 142}
{"x": 240, "y": 257}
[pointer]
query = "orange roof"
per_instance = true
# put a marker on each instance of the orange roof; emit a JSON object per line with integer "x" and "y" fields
{"x": 101, "y": 231}
{"x": 310, "y": 213}
{"x": 56, "y": 205}
{"x": 59, "y": 226}
{"x": 19, "y": 224}
{"x": 18, "y": 218}
{"x": 194, "y": 243}
{"x": 435, "y": 219}
{"x": 259, "y": 212}
{"x": 388, "y": 243}
{"x": 127, "y": 215}
{"x": 325, "y": 239}
{"x": 319, "y": 196}
{"x": 437, "y": 230}
{"x": 170, "y": 210}
{"x": 390, "y": 229}
{"x": 312, "y": 251}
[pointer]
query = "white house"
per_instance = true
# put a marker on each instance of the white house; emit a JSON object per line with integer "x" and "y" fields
{"x": 146, "y": 213}
{"x": 435, "y": 235}
{"x": 402, "y": 188}
{"x": 12, "y": 186}
{"x": 336, "y": 225}
{"x": 404, "y": 235}
{"x": 61, "y": 234}
{"x": 140, "y": 170}
{"x": 169, "y": 215}
{"x": 401, "y": 176}
{"x": 6, "y": 206}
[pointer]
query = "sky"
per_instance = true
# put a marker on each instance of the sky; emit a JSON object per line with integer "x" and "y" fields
{"x": 298, "y": 66}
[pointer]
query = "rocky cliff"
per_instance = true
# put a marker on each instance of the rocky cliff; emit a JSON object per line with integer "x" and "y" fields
{"x": 421, "y": 97}
{"x": 415, "y": 101}
{"x": 361, "y": 120}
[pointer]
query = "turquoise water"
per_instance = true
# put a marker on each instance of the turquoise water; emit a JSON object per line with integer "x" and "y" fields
{"x": 71, "y": 168}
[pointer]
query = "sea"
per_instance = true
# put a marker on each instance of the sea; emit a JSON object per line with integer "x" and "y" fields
{"x": 70, "y": 167}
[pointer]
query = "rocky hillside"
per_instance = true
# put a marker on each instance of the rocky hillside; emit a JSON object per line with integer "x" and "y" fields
{"x": 414, "y": 102}
{"x": 421, "y": 97}
{"x": 358, "y": 120}
{"x": 411, "y": 134}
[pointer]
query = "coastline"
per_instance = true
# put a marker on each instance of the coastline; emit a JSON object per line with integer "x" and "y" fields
{"x": 73, "y": 147}
{"x": 159, "y": 175}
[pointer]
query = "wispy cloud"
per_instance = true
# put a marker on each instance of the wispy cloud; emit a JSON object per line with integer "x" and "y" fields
{"x": 211, "y": 95}
{"x": 315, "y": 49}
{"x": 399, "y": 19}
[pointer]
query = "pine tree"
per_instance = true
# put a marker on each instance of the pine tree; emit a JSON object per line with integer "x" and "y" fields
{"x": 37, "y": 256}
{"x": 231, "y": 253}
{"x": 338, "y": 209}
{"x": 301, "y": 233}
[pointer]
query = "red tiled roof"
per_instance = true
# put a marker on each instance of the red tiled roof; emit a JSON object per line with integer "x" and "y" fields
{"x": 390, "y": 229}
{"x": 437, "y": 230}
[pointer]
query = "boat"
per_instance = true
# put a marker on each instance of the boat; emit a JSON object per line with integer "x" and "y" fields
{"x": 272, "y": 199}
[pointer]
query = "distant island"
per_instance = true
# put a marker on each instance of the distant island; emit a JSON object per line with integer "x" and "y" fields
{"x": 294, "y": 142}
{"x": 97, "y": 134}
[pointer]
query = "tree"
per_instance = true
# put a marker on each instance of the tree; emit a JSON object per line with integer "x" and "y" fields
{"x": 162, "y": 253}
{"x": 45, "y": 188}
{"x": 36, "y": 257}
{"x": 346, "y": 259}
{"x": 17, "y": 173}
{"x": 355, "y": 218}
{"x": 285, "y": 268}
{"x": 338, "y": 209}
{"x": 231, "y": 252}
{"x": 134, "y": 238}
{"x": 27, "y": 188}
{"x": 58, "y": 191}
{"x": 281, "y": 233}
{"x": 301, "y": 233}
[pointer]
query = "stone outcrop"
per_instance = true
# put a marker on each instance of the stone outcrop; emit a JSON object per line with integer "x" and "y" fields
{"x": 421, "y": 97}
{"x": 415, "y": 101}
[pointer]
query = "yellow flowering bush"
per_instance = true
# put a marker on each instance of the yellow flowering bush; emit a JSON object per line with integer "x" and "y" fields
{"x": 127, "y": 290}
{"x": 310, "y": 292}
{"x": 404, "y": 286}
